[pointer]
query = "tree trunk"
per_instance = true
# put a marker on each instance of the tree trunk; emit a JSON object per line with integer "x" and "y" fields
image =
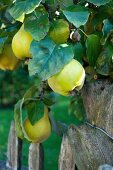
{"x": 92, "y": 147}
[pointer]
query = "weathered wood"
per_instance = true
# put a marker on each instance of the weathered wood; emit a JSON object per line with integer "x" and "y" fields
{"x": 36, "y": 157}
{"x": 98, "y": 101}
{"x": 14, "y": 150}
{"x": 91, "y": 147}
{"x": 66, "y": 161}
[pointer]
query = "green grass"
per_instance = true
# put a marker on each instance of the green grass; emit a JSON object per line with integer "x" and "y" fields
{"x": 51, "y": 146}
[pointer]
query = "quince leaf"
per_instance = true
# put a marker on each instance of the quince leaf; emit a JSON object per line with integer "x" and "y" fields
{"x": 79, "y": 52}
{"x": 49, "y": 99}
{"x": 35, "y": 110}
{"x": 28, "y": 102}
{"x": 93, "y": 47}
{"x": 18, "y": 119}
{"x": 77, "y": 15}
{"x": 2, "y": 42}
{"x": 48, "y": 58}
{"x": 104, "y": 63}
{"x": 22, "y": 7}
{"x": 40, "y": 23}
{"x": 99, "y": 2}
{"x": 77, "y": 108}
{"x": 107, "y": 30}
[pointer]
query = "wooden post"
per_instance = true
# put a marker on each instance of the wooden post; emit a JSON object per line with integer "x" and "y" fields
{"x": 36, "y": 157}
{"x": 92, "y": 147}
{"x": 66, "y": 161}
{"x": 14, "y": 150}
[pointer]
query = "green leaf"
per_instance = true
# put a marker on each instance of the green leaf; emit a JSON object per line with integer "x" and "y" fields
{"x": 104, "y": 62}
{"x": 40, "y": 23}
{"x": 103, "y": 13}
{"x": 28, "y": 102}
{"x": 18, "y": 119}
{"x": 48, "y": 58}
{"x": 35, "y": 110}
{"x": 92, "y": 48}
{"x": 2, "y": 42}
{"x": 77, "y": 15}
{"x": 31, "y": 92}
{"x": 65, "y": 3}
{"x": 79, "y": 52}
{"x": 77, "y": 108}
{"x": 99, "y": 2}
{"x": 62, "y": 3}
{"x": 49, "y": 99}
{"x": 107, "y": 30}
{"x": 21, "y": 7}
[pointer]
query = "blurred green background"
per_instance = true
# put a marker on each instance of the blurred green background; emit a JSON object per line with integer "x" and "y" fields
{"x": 12, "y": 87}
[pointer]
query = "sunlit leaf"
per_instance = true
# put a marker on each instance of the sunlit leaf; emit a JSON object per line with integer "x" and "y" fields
{"x": 21, "y": 7}
{"x": 48, "y": 58}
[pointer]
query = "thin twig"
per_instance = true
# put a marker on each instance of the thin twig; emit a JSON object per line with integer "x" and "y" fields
{"x": 83, "y": 32}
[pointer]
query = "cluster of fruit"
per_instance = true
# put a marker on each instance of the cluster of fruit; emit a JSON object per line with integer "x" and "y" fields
{"x": 69, "y": 78}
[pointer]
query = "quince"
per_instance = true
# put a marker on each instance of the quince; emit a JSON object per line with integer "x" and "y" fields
{"x": 38, "y": 132}
{"x": 21, "y": 44}
{"x": 69, "y": 78}
{"x": 8, "y": 61}
{"x": 59, "y": 31}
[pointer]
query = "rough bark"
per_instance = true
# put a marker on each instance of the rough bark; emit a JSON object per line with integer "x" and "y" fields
{"x": 90, "y": 146}
{"x": 66, "y": 160}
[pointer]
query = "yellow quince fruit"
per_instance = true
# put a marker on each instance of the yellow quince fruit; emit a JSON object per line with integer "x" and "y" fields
{"x": 21, "y": 44}
{"x": 8, "y": 61}
{"x": 69, "y": 78}
{"x": 40, "y": 131}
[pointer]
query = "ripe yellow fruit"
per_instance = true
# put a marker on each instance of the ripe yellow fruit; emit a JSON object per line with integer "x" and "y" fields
{"x": 59, "y": 31}
{"x": 38, "y": 132}
{"x": 21, "y": 44}
{"x": 69, "y": 78}
{"x": 8, "y": 61}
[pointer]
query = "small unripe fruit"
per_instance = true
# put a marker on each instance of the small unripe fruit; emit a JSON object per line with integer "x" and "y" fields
{"x": 59, "y": 31}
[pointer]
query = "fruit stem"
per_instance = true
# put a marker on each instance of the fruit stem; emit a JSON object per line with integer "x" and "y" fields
{"x": 72, "y": 93}
{"x": 83, "y": 32}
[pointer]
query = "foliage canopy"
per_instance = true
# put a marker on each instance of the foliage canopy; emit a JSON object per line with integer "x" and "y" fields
{"x": 90, "y": 42}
